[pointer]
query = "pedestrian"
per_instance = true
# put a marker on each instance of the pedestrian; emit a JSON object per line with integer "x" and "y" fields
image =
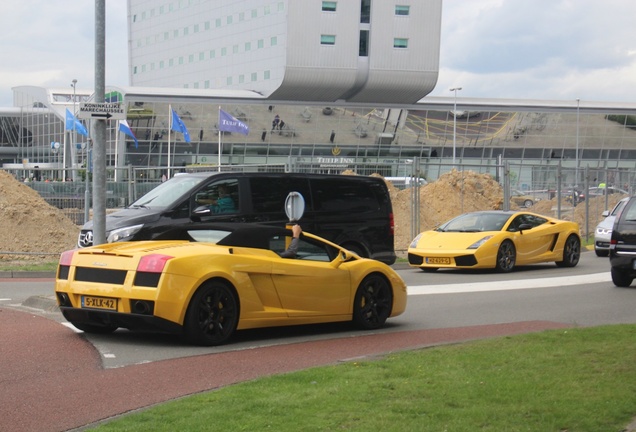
{"x": 275, "y": 122}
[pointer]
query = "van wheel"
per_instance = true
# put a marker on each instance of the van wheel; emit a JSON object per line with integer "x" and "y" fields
{"x": 621, "y": 278}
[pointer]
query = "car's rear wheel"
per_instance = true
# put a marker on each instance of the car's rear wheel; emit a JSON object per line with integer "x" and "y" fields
{"x": 571, "y": 252}
{"x": 94, "y": 328}
{"x": 372, "y": 303}
{"x": 601, "y": 253}
{"x": 621, "y": 278}
{"x": 528, "y": 203}
{"x": 212, "y": 315}
{"x": 506, "y": 257}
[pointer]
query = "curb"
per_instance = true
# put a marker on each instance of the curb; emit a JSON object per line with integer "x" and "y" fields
{"x": 26, "y": 274}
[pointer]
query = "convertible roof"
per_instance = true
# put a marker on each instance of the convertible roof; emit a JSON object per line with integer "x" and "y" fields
{"x": 241, "y": 234}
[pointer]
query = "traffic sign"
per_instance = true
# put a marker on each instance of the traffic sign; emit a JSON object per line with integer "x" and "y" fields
{"x": 104, "y": 111}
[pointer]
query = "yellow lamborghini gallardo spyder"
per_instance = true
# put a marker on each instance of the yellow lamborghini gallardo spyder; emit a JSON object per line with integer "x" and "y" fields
{"x": 205, "y": 281}
{"x": 498, "y": 240}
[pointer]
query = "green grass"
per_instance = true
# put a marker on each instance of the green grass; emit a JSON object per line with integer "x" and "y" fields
{"x": 563, "y": 380}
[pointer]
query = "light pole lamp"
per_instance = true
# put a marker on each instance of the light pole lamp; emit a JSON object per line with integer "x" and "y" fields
{"x": 455, "y": 89}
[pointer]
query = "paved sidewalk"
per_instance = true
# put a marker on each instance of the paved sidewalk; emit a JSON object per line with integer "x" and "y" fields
{"x": 52, "y": 378}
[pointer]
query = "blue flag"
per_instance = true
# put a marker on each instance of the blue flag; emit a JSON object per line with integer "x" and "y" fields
{"x": 74, "y": 124}
{"x": 227, "y": 123}
{"x": 179, "y": 126}
{"x": 123, "y": 127}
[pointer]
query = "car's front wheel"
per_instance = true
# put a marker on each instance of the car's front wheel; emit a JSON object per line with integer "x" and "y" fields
{"x": 372, "y": 303}
{"x": 212, "y": 315}
{"x": 506, "y": 257}
{"x": 621, "y": 278}
{"x": 571, "y": 252}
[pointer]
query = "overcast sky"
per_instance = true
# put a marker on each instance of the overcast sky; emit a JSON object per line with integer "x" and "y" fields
{"x": 527, "y": 49}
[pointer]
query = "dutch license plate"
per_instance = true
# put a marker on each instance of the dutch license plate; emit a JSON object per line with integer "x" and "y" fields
{"x": 99, "y": 303}
{"x": 438, "y": 261}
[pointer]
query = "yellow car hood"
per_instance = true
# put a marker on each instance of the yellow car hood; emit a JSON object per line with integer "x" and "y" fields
{"x": 451, "y": 240}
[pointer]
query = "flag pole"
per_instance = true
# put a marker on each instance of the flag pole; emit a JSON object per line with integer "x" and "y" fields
{"x": 116, "y": 147}
{"x": 219, "y": 127}
{"x": 169, "y": 128}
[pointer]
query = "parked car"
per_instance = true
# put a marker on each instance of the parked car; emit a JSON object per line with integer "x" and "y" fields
{"x": 601, "y": 191}
{"x": 622, "y": 252}
{"x": 603, "y": 231}
{"x": 498, "y": 240}
{"x": 205, "y": 281}
{"x": 354, "y": 212}
{"x": 521, "y": 199}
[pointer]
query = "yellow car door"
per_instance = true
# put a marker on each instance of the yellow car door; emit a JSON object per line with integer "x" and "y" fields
{"x": 312, "y": 288}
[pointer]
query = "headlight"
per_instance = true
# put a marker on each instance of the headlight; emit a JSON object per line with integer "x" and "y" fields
{"x": 415, "y": 240}
{"x": 604, "y": 231}
{"x": 123, "y": 234}
{"x": 479, "y": 243}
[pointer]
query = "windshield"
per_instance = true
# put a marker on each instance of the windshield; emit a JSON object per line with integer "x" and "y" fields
{"x": 168, "y": 192}
{"x": 476, "y": 222}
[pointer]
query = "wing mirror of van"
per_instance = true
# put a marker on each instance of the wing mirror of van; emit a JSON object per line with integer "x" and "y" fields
{"x": 202, "y": 211}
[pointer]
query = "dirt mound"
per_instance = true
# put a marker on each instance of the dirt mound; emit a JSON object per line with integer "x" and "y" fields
{"x": 30, "y": 224}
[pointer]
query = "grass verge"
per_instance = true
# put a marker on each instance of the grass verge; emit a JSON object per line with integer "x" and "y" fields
{"x": 580, "y": 380}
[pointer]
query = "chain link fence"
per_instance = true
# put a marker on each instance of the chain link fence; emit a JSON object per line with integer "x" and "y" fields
{"x": 584, "y": 193}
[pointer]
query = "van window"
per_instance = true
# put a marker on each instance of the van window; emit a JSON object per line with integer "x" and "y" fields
{"x": 344, "y": 196}
{"x": 269, "y": 193}
{"x": 168, "y": 192}
{"x": 221, "y": 196}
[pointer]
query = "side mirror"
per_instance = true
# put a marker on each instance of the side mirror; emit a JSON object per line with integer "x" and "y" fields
{"x": 201, "y": 211}
{"x": 605, "y": 213}
{"x": 524, "y": 227}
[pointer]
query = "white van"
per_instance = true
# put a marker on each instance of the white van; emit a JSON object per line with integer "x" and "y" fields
{"x": 405, "y": 182}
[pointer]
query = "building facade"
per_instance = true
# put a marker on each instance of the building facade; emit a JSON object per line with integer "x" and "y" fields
{"x": 358, "y": 51}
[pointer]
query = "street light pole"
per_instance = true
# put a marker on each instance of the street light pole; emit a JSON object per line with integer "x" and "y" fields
{"x": 576, "y": 171}
{"x": 455, "y": 89}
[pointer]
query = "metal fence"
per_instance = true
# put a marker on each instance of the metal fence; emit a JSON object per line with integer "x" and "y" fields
{"x": 585, "y": 193}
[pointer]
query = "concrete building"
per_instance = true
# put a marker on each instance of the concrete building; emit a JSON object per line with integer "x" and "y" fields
{"x": 357, "y": 51}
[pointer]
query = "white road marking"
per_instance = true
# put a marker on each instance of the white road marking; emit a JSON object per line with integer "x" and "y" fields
{"x": 72, "y": 327}
{"x": 5, "y": 299}
{"x": 509, "y": 284}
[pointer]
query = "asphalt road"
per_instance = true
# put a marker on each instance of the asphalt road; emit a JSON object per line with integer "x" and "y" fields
{"x": 55, "y": 379}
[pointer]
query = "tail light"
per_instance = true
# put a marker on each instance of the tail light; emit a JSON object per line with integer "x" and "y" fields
{"x": 153, "y": 263}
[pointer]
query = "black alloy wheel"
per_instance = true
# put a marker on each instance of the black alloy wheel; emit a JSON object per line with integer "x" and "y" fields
{"x": 506, "y": 257}
{"x": 571, "y": 252}
{"x": 212, "y": 315}
{"x": 373, "y": 302}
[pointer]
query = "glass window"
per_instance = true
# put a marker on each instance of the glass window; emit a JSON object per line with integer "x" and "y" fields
{"x": 364, "y": 43}
{"x": 248, "y": 46}
{"x": 400, "y": 43}
{"x": 402, "y": 10}
{"x": 269, "y": 194}
{"x": 329, "y": 6}
{"x": 261, "y": 43}
{"x": 274, "y": 41}
{"x": 365, "y": 11}
{"x": 327, "y": 39}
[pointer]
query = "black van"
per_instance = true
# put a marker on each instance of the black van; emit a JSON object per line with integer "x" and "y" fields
{"x": 354, "y": 212}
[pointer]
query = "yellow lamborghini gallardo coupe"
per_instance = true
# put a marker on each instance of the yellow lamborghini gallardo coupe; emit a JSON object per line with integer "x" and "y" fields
{"x": 205, "y": 281}
{"x": 497, "y": 240}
